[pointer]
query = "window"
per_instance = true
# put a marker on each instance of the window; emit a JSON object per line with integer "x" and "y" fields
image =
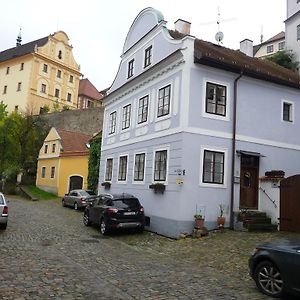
{"x": 22, "y": 67}
{"x": 69, "y": 97}
{"x": 108, "y": 170}
{"x": 43, "y": 172}
{"x": 7, "y": 70}
{"x": 16, "y": 108}
{"x": 59, "y": 54}
{"x": 130, "y": 68}
{"x": 71, "y": 79}
{"x": 287, "y": 112}
{"x": 5, "y": 89}
{"x": 148, "y": 56}
{"x": 43, "y": 88}
{"x": 143, "y": 109}
{"x": 164, "y": 101}
{"x": 45, "y": 68}
{"x": 52, "y": 172}
{"x": 122, "y": 168}
{"x": 126, "y": 116}
{"x": 213, "y": 167}
{"x": 281, "y": 46}
{"x": 57, "y": 93}
{"x": 53, "y": 148}
{"x": 160, "y": 165}
{"x": 139, "y": 167}
{"x": 19, "y": 86}
{"x": 58, "y": 74}
{"x": 215, "y": 99}
{"x": 112, "y": 122}
{"x": 46, "y": 149}
{"x": 270, "y": 49}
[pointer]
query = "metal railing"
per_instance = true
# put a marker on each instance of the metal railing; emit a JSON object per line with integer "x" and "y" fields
{"x": 273, "y": 201}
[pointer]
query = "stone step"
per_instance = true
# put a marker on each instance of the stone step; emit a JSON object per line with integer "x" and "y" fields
{"x": 257, "y": 220}
{"x": 262, "y": 227}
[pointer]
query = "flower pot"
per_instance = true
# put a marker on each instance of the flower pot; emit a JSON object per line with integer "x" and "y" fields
{"x": 199, "y": 223}
{"x": 221, "y": 221}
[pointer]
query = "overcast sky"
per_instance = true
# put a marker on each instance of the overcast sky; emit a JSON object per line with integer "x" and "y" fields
{"x": 97, "y": 29}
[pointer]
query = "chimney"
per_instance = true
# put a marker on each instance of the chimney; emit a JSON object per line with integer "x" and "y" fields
{"x": 182, "y": 26}
{"x": 246, "y": 46}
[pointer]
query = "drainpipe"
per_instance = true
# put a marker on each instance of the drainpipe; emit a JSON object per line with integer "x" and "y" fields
{"x": 233, "y": 149}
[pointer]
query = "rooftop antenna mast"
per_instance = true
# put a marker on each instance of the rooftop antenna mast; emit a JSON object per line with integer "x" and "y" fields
{"x": 219, "y": 35}
{"x": 261, "y": 35}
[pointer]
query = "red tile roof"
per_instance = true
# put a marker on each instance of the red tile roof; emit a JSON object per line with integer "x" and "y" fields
{"x": 73, "y": 143}
{"x": 278, "y": 36}
{"x": 86, "y": 88}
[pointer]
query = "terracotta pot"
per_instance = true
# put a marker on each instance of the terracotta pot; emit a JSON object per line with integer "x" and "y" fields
{"x": 199, "y": 223}
{"x": 221, "y": 221}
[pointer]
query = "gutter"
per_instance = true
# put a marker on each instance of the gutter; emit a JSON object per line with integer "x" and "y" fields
{"x": 233, "y": 149}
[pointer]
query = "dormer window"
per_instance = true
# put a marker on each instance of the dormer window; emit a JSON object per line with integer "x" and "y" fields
{"x": 148, "y": 57}
{"x": 130, "y": 68}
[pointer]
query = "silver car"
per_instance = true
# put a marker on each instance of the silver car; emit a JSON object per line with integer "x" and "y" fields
{"x": 76, "y": 198}
{"x": 3, "y": 212}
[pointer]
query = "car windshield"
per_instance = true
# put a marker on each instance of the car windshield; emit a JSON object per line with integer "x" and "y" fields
{"x": 84, "y": 193}
{"x": 91, "y": 193}
{"x": 126, "y": 203}
{"x": 1, "y": 200}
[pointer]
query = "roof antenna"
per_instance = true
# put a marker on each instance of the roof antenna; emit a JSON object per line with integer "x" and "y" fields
{"x": 261, "y": 34}
{"x": 19, "y": 38}
{"x": 219, "y": 35}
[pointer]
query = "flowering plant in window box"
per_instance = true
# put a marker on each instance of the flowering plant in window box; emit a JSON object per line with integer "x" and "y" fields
{"x": 106, "y": 185}
{"x": 157, "y": 187}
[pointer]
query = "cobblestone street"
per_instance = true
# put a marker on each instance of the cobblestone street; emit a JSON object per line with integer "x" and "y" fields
{"x": 47, "y": 253}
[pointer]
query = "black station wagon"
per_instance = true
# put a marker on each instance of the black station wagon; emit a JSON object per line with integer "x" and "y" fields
{"x": 116, "y": 211}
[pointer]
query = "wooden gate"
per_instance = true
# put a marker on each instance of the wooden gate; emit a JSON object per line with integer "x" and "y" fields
{"x": 290, "y": 204}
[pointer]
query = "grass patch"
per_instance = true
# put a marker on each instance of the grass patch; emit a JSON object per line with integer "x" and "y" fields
{"x": 35, "y": 192}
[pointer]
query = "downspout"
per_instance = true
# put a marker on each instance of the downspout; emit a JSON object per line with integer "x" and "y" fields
{"x": 233, "y": 149}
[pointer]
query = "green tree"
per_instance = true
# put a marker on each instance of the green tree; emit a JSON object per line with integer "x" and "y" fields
{"x": 3, "y": 110}
{"x": 94, "y": 163}
{"x": 285, "y": 59}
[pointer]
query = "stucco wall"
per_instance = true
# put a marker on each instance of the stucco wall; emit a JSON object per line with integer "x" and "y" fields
{"x": 87, "y": 121}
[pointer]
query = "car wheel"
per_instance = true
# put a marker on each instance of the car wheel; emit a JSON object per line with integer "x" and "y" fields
{"x": 140, "y": 229}
{"x": 86, "y": 219}
{"x": 268, "y": 279}
{"x": 3, "y": 226}
{"x": 103, "y": 227}
{"x": 63, "y": 202}
{"x": 76, "y": 206}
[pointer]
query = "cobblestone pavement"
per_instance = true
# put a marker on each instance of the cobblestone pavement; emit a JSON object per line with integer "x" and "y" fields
{"x": 47, "y": 253}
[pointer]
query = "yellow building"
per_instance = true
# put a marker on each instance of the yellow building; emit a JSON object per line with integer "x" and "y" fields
{"x": 63, "y": 162}
{"x": 39, "y": 74}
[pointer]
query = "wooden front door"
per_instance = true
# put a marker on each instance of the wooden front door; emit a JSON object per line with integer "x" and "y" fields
{"x": 249, "y": 181}
{"x": 290, "y": 204}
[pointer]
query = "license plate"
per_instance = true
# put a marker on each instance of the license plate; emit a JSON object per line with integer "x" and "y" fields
{"x": 129, "y": 213}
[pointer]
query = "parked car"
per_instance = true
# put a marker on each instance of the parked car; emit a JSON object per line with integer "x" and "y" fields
{"x": 115, "y": 211}
{"x": 3, "y": 212}
{"x": 275, "y": 267}
{"x": 76, "y": 198}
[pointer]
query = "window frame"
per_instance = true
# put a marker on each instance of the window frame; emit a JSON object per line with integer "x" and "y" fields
{"x": 126, "y": 116}
{"x": 122, "y": 169}
{"x": 52, "y": 174}
{"x": 5, "y": 89}
{"x": 58, "y": 73}
{"x": 45, "y": 68}
{"x": 148, "y": 54}
{"x": 19, "y": 86}
{"x": 281, "y": 45}
{"x": 71, "y": 79}
{"x": 22, "y": 66}
{"x": 141, "y": 110}
{"x": 45, "y": 148}
{"x": 202, "y": 166}
{"x": 138, "y": 180}
{"x": 291, "y": 105}
{"x": 69, "y": 97}
{"x": 43, "y": 88}
{"x": 216, "y": 86}
{"x": 161, "y": 180}
{"x": 270, "y": 49}
{"x": 56, "y": 93}
{"x": 111, "y": 169}
{"x": 43, "y": 172}
{"x": 7, "y": 70}
{"x": 53, "y": 148}
{"x": 112, "y": 123}
{"x": 130, "y": 68}
{"x": 159, "y": 98}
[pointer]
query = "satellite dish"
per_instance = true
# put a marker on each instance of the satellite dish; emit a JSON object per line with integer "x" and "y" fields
{"x": 219, "y": 36}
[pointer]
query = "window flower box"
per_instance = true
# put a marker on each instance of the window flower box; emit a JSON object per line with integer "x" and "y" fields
{"x": 106, "y": 185}
{"x": 157, "y": 187}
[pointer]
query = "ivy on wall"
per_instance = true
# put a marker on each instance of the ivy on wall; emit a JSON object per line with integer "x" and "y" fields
{"x": 94, "y": 163}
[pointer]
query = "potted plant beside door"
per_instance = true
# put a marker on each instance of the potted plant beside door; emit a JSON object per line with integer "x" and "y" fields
{"x": 221, "y": 218}
{"x": 199, "y": 220}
